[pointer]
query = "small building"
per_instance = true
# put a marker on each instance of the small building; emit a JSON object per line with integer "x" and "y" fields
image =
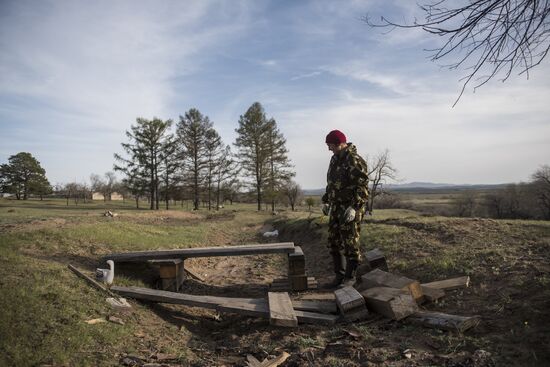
{"x": 116, "y": 196}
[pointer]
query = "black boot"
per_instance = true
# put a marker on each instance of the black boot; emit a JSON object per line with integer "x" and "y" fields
{"x": 351, "y": 272}
{"x": 338, "y": 271}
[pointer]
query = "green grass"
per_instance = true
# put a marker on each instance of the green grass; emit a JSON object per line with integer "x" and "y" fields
{"x": 44, "y": 305}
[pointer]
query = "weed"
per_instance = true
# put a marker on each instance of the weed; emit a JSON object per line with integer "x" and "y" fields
{"x": 305, "y": 342}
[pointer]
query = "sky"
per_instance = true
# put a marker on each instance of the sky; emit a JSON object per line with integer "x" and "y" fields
{"x": 75, "y": 75}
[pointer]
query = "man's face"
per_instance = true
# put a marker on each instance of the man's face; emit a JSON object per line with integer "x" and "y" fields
{"x": 336, "y": 148}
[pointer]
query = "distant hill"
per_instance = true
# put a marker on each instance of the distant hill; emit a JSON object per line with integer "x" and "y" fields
{"x": 424, "y": 187}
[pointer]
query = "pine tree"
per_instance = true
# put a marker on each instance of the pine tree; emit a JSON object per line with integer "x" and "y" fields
{"x": 191, "y": 137}
{"x": 251, "y": 141}
{"x": 279, "y": 167}
{"x": 148, "y": 141}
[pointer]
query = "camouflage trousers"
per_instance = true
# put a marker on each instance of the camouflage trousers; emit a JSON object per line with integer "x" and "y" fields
{"x": 342, "y": 236}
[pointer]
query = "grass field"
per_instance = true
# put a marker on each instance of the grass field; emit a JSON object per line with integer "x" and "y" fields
{"x": 45, "y": 306}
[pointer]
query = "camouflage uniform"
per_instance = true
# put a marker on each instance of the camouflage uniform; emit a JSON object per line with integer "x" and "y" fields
{"x": 347, "y": 180}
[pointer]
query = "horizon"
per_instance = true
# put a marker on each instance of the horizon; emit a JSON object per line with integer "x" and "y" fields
{"x": 76, "y": 75}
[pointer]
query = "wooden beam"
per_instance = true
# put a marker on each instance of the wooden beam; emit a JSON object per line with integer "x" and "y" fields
{"x": 270, "y": 248}
{"x": 380, "y": 278}
{"x": 376, "y": 259}
{"x": 449, "y": 284}
{"x": 315, "y": 306}
{"x": 256, "y": 307}
{"x": 305, "y": 317}
{"x": 439, "y": 320}
{"x": 432, "y": 294}
{"x": 349, "y": 301}
{"x": 281, "y": 312}
{"x": 296, "y": 262}
{"x": 390, "y": 302}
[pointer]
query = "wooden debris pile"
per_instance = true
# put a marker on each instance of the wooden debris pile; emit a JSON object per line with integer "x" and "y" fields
{"x": 377, "y": 290}
{"x": 397, "y": 297}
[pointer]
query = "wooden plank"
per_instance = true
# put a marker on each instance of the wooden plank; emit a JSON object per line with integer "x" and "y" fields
{"x": 432, "y": 294}
{"x": 380, "y": 278}
{"x": 270, "y": 248}
{"x": 194, "y": 274}
{"x": 319, "y": 296}
{"x": 315, "y": 306}
{"x": 256, "y": 307}
{"x": 376, "y": 259}
{"x": 450, "y": 284}
{"x": 296, "y": 262}
{"x": 390, "y": 302}
{"x": 281, "y": 312}
{"x": 306, "y": 317}
{"x": 212, "y": 302}
{"x": 348, "y": 298}
{"x": 439, "y": 320}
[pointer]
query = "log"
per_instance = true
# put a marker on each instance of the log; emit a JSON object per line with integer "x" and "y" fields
{"x": 380, "y": 278}
{"x": 348, "y": 299}
{"x": 281, "y": 312}
{"x": 439, "y": 320}
{"x": 449, "y": 284}
{"x": 432, "y": 294}
{"x": 271, "y": 248}
{"x": 392, "y": 303}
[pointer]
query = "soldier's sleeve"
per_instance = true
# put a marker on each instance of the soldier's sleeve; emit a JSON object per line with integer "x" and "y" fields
{"x": 360, "y": 179}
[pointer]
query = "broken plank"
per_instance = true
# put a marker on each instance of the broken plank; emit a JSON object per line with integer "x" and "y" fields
{"x": 270, "y": 248}
{"x": 315, "y": 306}
{"x": 194, "y": 274}
{"x": 392, "y": 303}
{"x": 281, "y": 312}
{"x": 221, "y": 303}
{"x": 380, "y": 278}
{"x": 432, "y": 294}
{"x": 439, "y": 320}
{"x": 348, "y": 298}
{"x": 450, "y": 284}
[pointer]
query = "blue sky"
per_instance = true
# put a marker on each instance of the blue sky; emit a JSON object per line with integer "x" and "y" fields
{"x": 74, "y": 75}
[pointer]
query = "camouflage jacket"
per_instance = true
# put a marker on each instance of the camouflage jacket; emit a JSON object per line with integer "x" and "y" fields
{"x": 347, "y": 179}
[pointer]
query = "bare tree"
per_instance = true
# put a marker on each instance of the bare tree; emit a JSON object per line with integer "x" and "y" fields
{"x": 293, "y": 193}
{"x": 490, "y": 37}
{"x": 380, "y": 171}
{"x": 541, "y": 181}
{"x": 465, "y": 203}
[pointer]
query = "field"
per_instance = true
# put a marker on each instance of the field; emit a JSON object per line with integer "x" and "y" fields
{"x": 45, "y": 306}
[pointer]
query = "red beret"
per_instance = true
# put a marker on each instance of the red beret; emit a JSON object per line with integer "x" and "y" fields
{"x": 335, "y": 137}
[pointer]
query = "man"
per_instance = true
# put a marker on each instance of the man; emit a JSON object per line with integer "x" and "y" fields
{"x": 344, "y": 202}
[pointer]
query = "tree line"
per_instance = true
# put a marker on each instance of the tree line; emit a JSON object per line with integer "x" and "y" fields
{"x": 164, "y": 161}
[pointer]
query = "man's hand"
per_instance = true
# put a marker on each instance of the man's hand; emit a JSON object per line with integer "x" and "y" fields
{"x": 349, "y": 215}
{"x": 326, "y": 209}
